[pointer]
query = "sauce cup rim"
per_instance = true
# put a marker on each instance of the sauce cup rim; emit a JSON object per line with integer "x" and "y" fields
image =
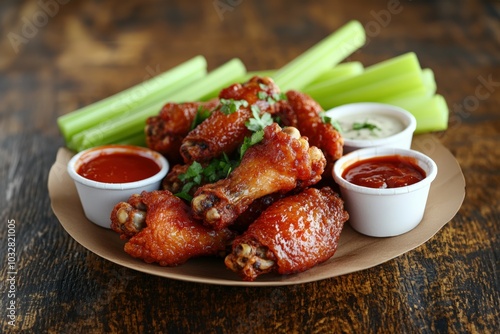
{"x": 424, "y": 161}
{"x": 143, "y": 151}
{"x": 410, "y": 122}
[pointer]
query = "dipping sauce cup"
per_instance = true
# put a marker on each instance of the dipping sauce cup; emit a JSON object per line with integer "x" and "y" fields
{"x": 368, "y": 124}
{"x": 385, "y": 212}
{"x": 107, "y": 175}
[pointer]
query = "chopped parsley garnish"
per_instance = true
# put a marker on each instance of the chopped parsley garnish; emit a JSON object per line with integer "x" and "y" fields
{"x": 271, "y": 99}
{"x": 255, "y": 138}
{"x": 229, "y": 106}
{"x": 193, "y": 173}
{"x": 365, "y": 125}
{"x": 201, "y": 114}
{"x": 328, "y": 120}
{"x": 262, "y": 95}
{"x": 258, "y": 122}
{"x": 217, "y": 169}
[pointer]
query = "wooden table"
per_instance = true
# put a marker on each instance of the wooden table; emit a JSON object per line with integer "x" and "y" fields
{"x": 59, "y": 55}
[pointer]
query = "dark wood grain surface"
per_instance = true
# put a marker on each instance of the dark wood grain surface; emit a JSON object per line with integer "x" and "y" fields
{"x": 56, "y": 56}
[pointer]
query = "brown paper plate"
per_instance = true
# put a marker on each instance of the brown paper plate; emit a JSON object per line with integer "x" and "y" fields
{"x": 355, "y": 251}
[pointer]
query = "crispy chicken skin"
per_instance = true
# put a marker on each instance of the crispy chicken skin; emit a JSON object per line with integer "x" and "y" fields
{"x": 222, "y": 132}
{"x": 218, "y": 134}
{"x": 281, "y": 162}
{"x": 250, "y": 91}
{"x": 309, "y": 123}
{"x": 165, "y": 132}
{"x": 294, "y": 234}
{"x": 168, "y": 235}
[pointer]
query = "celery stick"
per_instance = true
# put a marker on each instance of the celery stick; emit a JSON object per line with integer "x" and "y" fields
{"x": 431, "y": 112}
{"x": 137, "y": 139}
{"x": 117, "y": 128}
{"x": 147, "y": 92}
{"x": 419, "y": 93}
{"x": 337, "y": 73}
{"x": 429, "y": 80}
{"x": 410, "y": 96}
{"x": 220, "y": 78}
{"x": 372, "y": 75}
{"x": 375, "y": 92}
{"x": 327, "y": 53}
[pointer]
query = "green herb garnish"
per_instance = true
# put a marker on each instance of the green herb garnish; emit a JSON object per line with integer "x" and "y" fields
{"x": 196, "y": 174}
{"x": 201, "y": 114}
{"x": 229, "y": 106}
{"x": 258, "y": 122}
{"x": 365, "y": 125}
{"x": 255, "y": 138}
{"x": 271, "y": 99}
{"x": 328, "y": 120}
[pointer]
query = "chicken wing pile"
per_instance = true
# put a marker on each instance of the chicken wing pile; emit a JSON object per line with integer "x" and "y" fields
{"x": 251, "y": 195}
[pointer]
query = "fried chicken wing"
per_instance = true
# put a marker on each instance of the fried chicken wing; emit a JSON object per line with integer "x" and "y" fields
{"x": 165, "y": 231}
{"x": 309, "y": 123}
{"x": 256, "y": 91}
{"x": 294, "y": 234}
{"x": 218, "y": 134}
{"x": 223, "y": 131}
{"x": 165, "y": 132}
{"x": 280, "y": 163}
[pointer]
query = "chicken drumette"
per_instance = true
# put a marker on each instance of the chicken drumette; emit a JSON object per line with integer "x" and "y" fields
{"x": 307, "y": 118}
{"x": 294, "y": 234}
{"x": 281, "y": 162}
{"x": 165, "y": 132}
{"x": 225, "y": 130}
{"x": 161, "y": 228}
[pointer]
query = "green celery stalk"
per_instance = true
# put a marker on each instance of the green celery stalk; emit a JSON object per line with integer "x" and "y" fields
{"x": 418, "y": 93}
{"x": 429, "y": 80}
{"x": 118, "y": 128}
{"x": 431, "y": 112}
{"x": 327, "y": 53}
{"x": 147, "y": 92}
{"x": 220, "y": 78}
{"x": 337, "y": 73}
{"x": 379, "y": 81}
{"x": 411, "y": 97}
{"x": 377, "y": 92}
{"x": 137, "y": 139}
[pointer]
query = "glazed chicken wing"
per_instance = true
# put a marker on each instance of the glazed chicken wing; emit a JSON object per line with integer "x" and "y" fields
{"x": 165, "y": 132}
{"x": 281, "y": 162}
{"x": 294, "y": 234}
{"x": 309, "y": 123}
{"x": 218, "y": 134}
{"x": 224, "y": 131}
{"x": 165, "y": 231}
{"x": 255, "y": 91}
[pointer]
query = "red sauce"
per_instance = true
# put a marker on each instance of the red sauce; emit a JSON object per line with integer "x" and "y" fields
{"x": 384, "y": 172}
{"x": 120, "y": 167}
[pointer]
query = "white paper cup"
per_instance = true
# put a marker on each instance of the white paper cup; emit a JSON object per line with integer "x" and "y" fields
{"x": 98, "y": 198}
{"x": 385, "y": 212}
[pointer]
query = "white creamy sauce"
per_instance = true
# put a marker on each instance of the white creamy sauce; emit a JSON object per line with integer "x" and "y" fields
{"x": 369, "y": 126}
